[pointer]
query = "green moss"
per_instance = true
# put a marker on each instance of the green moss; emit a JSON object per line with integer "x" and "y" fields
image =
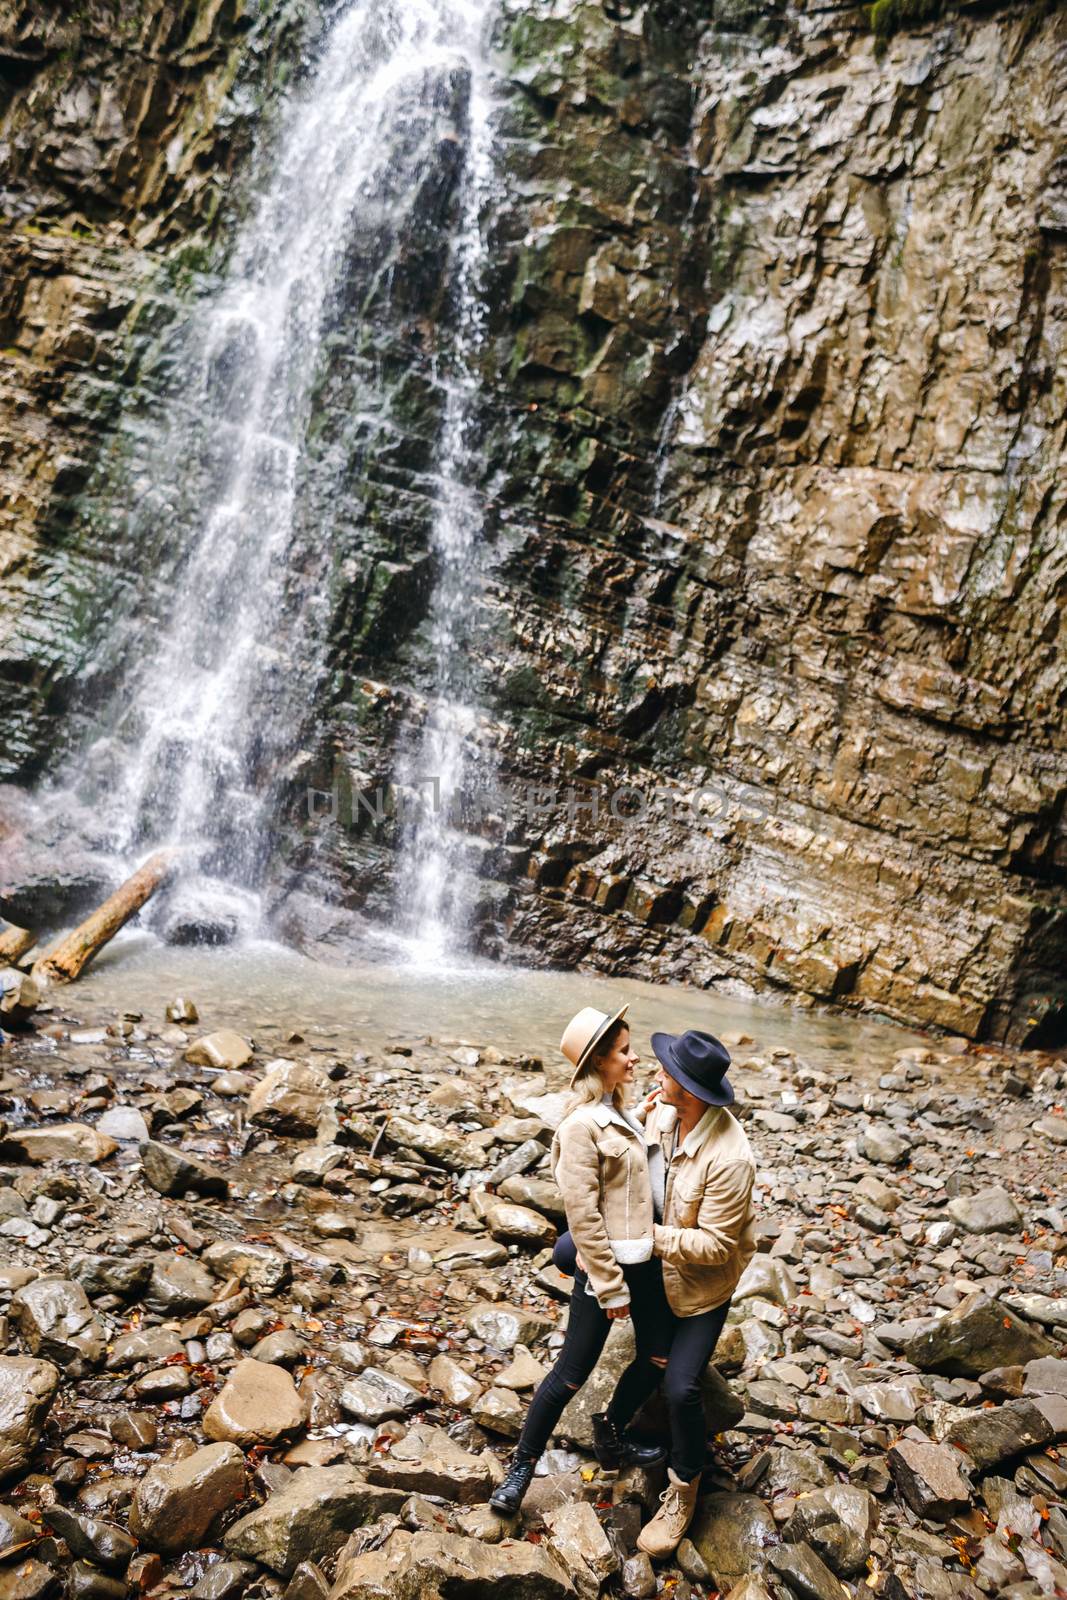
{"x": 889, "y": 16}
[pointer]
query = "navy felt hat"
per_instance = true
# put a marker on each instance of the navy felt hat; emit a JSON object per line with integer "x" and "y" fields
{"x": 698, "y": 1061}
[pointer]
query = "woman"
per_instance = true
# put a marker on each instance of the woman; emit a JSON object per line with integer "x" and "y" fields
{"x": 601, "y": 1166}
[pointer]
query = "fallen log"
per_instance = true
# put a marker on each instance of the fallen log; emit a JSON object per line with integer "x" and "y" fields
{"x": 67, "y": 959}
{"x": 14, "y": 942}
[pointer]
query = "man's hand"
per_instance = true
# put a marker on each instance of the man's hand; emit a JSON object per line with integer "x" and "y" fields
{"x": 618, "y": 1313}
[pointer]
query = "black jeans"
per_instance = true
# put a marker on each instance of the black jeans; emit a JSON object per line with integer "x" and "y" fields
{"x": 692, "y": 1348}
{"x": 587, "y": 1331}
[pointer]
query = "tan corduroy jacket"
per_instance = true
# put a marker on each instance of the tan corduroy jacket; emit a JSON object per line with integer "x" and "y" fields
{"x": 707, "y": 1236}
{"x": 600, "y": 1165}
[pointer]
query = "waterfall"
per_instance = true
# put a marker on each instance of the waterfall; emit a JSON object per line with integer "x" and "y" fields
{"x": 435, "y": 887}
{"x": 214, "y": 711}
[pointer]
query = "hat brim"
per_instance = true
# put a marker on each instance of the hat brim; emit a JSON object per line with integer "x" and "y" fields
{"x": 583, "y": 1060}
{"x": 722, "y": 1095}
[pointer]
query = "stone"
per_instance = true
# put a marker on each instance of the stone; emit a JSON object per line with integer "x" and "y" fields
{"x": 977, "y": 1335}
{"x": 27, "y": 1389}
{"x": 436, "y": 1566}
{"x": 265, "y": 1270}
{"x": 540, "y": 1194}
{"x": 524, "y": 1371}
{"x": 257, "y": 1404}
{"x": 57, "y": 1322}
{"x": 427, "y": 1461}
{"x": 174, "y": 1172}
{"x": 838, "y": 1522}
{"x": 733, "y": 1534}
{"x": 126, "y": 1276}
{"x": 15, "y": 1530}
{"x": 995, "y": 1435}
{"x": 226, "y": 1580}
{"x": 928, "y": 1478}
{"x": 1047, "y": 1375}
{"x": 179, "y": 1283}
{"x": 376, "y": 1396}
{"x": 500, "y": 1411}
{"x": 586, "y": 1552}
{"x": 991, "y": 1211}
{"x": 225, "y": 1050}
{"x": 175, "y": 1503}
{"x": 504, "y": 1326}
{"x": 769, "y": 1278}
{"x": 92, "y": 1539}
{"x": 638, "y": 1577}
{"x": 61, "y": 1141}
{"x": 154, "y": 1345}
{"x": 518, "y": 1160}
{"x": 440, "y": 1146}
{"x": 512, "y": 1224}
{"x": 289, "y": 1098}
{"x": 880, "y": 1143}
{"x": 449, "y": 1378}
{"x": 806, "y": 1575}
{"x": 309, "y": 1518}
{"x": 123, "y": 1123}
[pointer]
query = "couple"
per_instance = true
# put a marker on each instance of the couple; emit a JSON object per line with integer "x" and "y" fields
{"x": 659, "y": 1207}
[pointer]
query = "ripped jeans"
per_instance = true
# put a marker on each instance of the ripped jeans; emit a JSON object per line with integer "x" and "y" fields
{"x": 587, "y": 1331}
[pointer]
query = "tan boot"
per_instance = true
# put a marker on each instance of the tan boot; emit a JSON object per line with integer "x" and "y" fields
{"x": 662, "y": 1536}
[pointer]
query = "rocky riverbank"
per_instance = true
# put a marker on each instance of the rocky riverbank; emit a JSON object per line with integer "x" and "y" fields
{"x": 274, "y": 1309}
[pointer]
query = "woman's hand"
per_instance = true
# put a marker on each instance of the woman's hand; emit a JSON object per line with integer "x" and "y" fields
{"x": 618, "y": 1313}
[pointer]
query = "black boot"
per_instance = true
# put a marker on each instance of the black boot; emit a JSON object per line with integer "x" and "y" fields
{"x": 615, "y": 1448}
{"x": 508, "y": 1497}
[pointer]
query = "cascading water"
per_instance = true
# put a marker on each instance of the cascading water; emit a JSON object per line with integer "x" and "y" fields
{"x": 215, "y": 710}
{"x": 434, "y": 885}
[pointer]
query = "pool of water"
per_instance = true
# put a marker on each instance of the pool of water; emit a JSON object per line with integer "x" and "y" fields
{"x": 264, "y": 991}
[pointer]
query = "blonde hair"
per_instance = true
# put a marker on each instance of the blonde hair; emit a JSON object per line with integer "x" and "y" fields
{"x": 589, "y": 1085}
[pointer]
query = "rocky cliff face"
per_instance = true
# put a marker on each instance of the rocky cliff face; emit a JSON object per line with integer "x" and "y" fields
{"x": 773, "y": 415}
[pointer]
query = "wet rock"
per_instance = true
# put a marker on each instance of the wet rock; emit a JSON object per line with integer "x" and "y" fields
{"x": 733, "y": 1534}
{"x": 225, "y": 1050}
{"x": 64, "y": 1141}
{"x": 86, "y": 1582}
{"x": 439, "y": 1145}
{"x": 179, "y": 1284}
{"x": 135, "y": 1429}
{"x": 124, "y": 1123}
{"x": 522, "y": 1372}
{"x": 806, "y": 1575}
{"x": 500, "y": 1411}
{"x": 839, "y": 1523}
{"x": 183, "y": 1010}
{"x": 257, "y": 1404}
{"x": 435, "y": 1566}
{"x": 175, "y": 1503}
{"x": 29, "y": 1580}
{"x": 284, "y": 1348}
{"x": 577, "y": 1537}
{"x": 991, "y": 1211}
{"x": 92, "y": 1539}
{"x": 457, "y": 1386}
{"x": 518, "y": 1160}
{"x": 977, "y": 1335}
{"x": 263, "y": 1269}
{"x": 1048, "y": 1375}
{"x": 313, "y": 1164}
{"x": 225, "y": 1581}
{"x": 27, "y": 1389}
{"x": 57, "y": 1322}
{"x": 928, "y": 1478}
{"x": 770, "y": 1279}
{"x": 15, "y": 1530}
{"x": 992, "y": 1436}
{"x": 308, "y": 1582}
{"x": 143, "y": 1344}
{"x": 377, "y": 1396}
{"x": 125, "y": 1276}
{"x": 289, "y": 1099}
{"x": 504, "y": 1326}
{"x": 513, "y": 1224}
{"x": 539, "y": 1194}
{"x": 174, "y": 1172}
{"x": 427, "y": 1461}
{"x": 310, "y": 1518}
{"x": 638, "y": 1577}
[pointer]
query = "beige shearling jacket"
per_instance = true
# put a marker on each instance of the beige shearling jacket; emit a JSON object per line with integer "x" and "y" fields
{"x": 707, "y": 1236}
{"x": 601, "y": 1167}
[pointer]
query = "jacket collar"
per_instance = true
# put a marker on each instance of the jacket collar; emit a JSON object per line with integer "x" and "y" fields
{"x": 696, "y": 1135}
{"x": 603, "y": 1114}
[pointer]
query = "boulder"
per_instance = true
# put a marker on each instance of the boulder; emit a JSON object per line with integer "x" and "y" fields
{"x": 174, "y": 1172}
{"x": 449, "y": 1378}
{"x": 91, "y": 1538}
{"x": 62, "y": 1141}
{"x": 427, "y": 1461}
{"x": 807, "y": 1575}
{"x": 992, "y": 1211}
{"x": 56, "y": 1321}
{"x": 733, "y": 1534}
{"x": 998, "y": 1434}
{"x": 504, "y": 1326}
{"x": 928, "y": 1478}
{"x": 439, "y": 1145}
{"x": 27, "y": 1389}
{"x": 540, "y": 1194}
{"x": 576, "y": 1535}
{"x": 515, "y": 1224}
{"x": 124, "y": 1123}
{"x": 175, "y": 1503}
{"x": 257, "y": 1404}
{"x": 257, "y": 1265}
{"x": 838, "y": 1522}
{"x": 769, "y": 1278}
{"x": 444, "y": 1566}
{"x": 977, "y": 1335}
{"x": 309, "y": 1518}
{"x": 225, "y": 1050}
{"x": 289, "y": 1099}
{"x": 377, "y": 1396}
{"x": 179, "y": 1284}
{"x": 500, "y": 1411}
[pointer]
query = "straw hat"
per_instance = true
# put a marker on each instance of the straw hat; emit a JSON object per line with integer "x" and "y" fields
{"x": 584, "y": 1032}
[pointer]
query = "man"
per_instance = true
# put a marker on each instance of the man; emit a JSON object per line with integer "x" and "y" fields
{"x": 702, "y": 1171}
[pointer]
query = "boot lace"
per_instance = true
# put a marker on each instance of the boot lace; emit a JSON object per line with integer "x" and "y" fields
{"x": 671, "y": 1501}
